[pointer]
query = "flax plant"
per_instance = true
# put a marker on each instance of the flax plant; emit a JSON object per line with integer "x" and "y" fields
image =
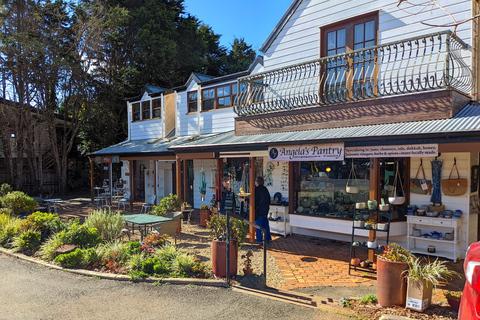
{"x": 431, "y": 272}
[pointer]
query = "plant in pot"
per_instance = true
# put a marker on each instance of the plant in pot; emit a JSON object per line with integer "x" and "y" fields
{"x": 453, "y": 299}
{"x": 391, "y": 284}
{"x": 205, "y": 214}
{"x": 238, "y": 233}
{"x": 247, "y": 263}
{"x": 422, "y": 278}
{"x": 167, "y": 205}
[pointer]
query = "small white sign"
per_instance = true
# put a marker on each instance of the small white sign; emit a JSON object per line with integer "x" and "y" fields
{"x": 401, "y": 151}
{"x": 414, "y": 303}
{"x": 313, "y": 152}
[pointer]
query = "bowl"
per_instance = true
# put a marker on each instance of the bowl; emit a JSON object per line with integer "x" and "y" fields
{"x": 358, "y": 223}
{"x": 448, "y": 213}
{"x": 360, "y": 205}
{"x": 396, "y": 200}
{"x": 421, "y": 212}
{"x": 381, "y": 226}
{"x": 372, "y": 244}
{"x": 351, "y": 189}
{"x": 432, "y": 213}
{"x": 383, "y": 207}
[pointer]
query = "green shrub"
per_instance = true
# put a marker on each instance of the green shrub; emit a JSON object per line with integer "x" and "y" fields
{"x": 42, "y": 220}
{"x": 161, "y": 268}
{"x": 91, "y": 257}
{"x": 27, "y": 241}
{"x": 47, "y": 249}
{"x": 184, "y": 262}
{"x": 81, "y": 235}
{"x": 136, "y": 260}
{"x": 10, "y": 230}
{"x": 167, "y": 205}
{"x": 133, "y": 247}
{"x": 147, "y": 266}
{"x": 19, "y": 203}
{"x": 108, "y": 224}
{"x": 4, "y": 219}
{"x": 134, "y": 275}
{"x": 167, "y": 253}
{"x": 369, "y": 299}
{"x": 71, "y": 260}
{"x": 4, "y": 189}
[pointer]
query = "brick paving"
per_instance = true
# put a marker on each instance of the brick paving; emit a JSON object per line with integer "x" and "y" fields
{"x": 313, "y": 262}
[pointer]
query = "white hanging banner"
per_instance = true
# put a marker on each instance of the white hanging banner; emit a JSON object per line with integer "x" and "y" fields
{"x": 311, "y": 152}
{"x": 401, "y": 151}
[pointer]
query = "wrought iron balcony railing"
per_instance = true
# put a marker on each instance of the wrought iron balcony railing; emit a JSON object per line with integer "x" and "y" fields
{"x": 417, "y": 64}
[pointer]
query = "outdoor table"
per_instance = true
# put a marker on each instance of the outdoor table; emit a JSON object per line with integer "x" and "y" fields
{"x": 143, "y": 220}
{"x": 54, "y": 203}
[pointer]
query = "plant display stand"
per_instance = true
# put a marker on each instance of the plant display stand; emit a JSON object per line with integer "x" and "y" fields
{"x": 443, "y": 248}
{"x": 279, "y": 222}
{"x": 360, "y": 251}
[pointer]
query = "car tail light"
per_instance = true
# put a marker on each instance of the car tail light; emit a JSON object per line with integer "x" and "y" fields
{"x": 472, "y": 274}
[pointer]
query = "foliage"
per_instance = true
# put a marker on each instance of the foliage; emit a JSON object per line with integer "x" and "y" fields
{"x": 432, "y": 272}
{"x": 42, "y": 220}
{"x": 19, "y": 203}
{"x": 5, "y": 219}
{"x": 112, "y": 250}
{"x": 218, "y": 228}
{"x": 91, "y": 257}
{"x": 71, "y": 260}
{"x": 167, "y": 253}
{"x": 453, "y": 295}
{"x": 108, "y": 224}
{"x": 247, "y": 264}
{"x": 4, "y": 189}
{"x": 135, "y": 275}
{"x": 184, "y": 262}
{"x": 369, "y": 299}
{"x": 9, "y": 230}
{"x": 167, "y": 205}
{"x": 155, "y": 240}
{"x": 27, "y": 241}
{"x": 136, "y": 260}
{"x": 80, "y": 235}
{"x": 395, "y": 253}
{"x": 47, "y": 249}
{"x": 204, "y": 207}
{"x": 133, "y": 247}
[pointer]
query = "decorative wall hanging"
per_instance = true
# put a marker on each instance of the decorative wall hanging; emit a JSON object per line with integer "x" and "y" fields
{"x": 398, "y": 197}
{"x": 436, "y": 178}
{"x": 203, "y": 184}
{"x": 352, "y": 182}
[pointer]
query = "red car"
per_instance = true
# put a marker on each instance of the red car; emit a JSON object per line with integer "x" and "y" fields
{"x": 470, "y": 304}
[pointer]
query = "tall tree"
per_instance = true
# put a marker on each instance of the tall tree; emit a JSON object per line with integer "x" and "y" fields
{"x": 239, "y": 57}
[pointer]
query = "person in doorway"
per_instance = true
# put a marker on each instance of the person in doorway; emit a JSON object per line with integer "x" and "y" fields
{"x": 262, "y": 207}
{"x": 227, "y": 203}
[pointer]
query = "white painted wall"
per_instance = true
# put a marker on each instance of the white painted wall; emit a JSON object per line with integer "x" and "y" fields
{"x": 299, "y": 40}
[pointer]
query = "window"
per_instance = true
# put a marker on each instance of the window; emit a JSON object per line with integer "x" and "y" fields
{"x": 145, "y": 110}
{"x": 346, "y": 73}
{"x": 208, "y": 101}
{"x": 136, "y": 111}
{"x": 219, "y": 97}
{"x": 192, "y": 101}
{"x": 157, "y": 108}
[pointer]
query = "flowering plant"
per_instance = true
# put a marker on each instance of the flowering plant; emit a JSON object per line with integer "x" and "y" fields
{"x": 395, "y": 253}
{"x": 247, "y": 263}
{"x": 154, "y": 240}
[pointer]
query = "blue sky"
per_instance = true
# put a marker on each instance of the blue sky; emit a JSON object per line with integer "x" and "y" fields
{"x": 249, "y": 19}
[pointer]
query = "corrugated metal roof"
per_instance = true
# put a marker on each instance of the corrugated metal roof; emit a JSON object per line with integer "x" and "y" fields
{"x": 140, "y": 147}
{"x": 466, "y": 121}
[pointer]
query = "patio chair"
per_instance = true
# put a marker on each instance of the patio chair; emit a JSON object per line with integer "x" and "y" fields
{"x": 148, "y": 206}
{"x": 125, "y": 200}
{"x": 170, "y": 227}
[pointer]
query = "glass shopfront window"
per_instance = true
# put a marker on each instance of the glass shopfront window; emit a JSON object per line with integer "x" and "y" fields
{"x": 321, "y": 188}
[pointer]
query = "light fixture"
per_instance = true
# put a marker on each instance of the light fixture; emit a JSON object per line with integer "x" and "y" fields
{"x": 328, "y": 169}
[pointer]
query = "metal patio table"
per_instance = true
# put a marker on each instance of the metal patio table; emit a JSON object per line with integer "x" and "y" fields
{"x": 144, "y": 221}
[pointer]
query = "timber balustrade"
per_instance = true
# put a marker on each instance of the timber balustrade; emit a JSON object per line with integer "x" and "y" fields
{"x": 429, "y": 62}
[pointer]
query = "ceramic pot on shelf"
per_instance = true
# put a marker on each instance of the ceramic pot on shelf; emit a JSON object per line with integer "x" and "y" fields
{"x": 372, "y": 204}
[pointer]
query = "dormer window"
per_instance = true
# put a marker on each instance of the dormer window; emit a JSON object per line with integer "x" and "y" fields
{"x": 136, "y": 111}
{"x": 192, "y": 101}
{"x": 218, "y": 97}
{"x": 146, "y": 110}
{"x": 157, "y": 108}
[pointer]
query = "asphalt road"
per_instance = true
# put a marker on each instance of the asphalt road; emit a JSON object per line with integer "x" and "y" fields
{"x": 31, "y": 291}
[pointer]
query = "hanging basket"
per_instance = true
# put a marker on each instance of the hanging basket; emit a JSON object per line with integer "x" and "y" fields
{"x": 352, "y": 186}
{"x": 396, "y": 199}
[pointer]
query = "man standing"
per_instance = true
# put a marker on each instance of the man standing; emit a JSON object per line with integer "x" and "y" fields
{"x": 227, "y": 202}
{"x": 262, "y": 207}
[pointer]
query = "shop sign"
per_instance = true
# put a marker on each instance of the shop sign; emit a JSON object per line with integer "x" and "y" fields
{"x": 115, "y": 159}
{"x": 311, "y": 152}
{"x": 107, "y": 159}
{"x": 401, "y": 151}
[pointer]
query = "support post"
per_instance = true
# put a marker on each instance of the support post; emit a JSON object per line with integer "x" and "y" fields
{"x": 92, "y": 186}
{"x": 130, "y": 183}
{"x": 374, "y": 194}
{"x": 185, "y": 181}
{"x": 251, "y": 204}
{"x": 178, "y": 170}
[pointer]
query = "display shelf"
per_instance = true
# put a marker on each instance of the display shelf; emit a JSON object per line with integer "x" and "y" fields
{"x": 448, "y": 248}
{"x": 281, "y": 226}
{"x": 353, "y": 249}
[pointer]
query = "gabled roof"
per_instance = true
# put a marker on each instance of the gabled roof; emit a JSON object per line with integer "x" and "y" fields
{"x": 148, "y": 89}
{"x": 197, "y": 77}
{"x": 283, "y": 21}
{"x": 466, "y": 122}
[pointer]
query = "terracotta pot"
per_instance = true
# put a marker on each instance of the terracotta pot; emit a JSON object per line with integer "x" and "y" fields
{"x": 355, "y": 262}
{"x": 374, "y": 266}
{"x": 391, "y": 283}
{"x": 248, "y": 272}
{"x": 219, "y": 258}
{"x": 454, "y": 303}
{"x": 204, "y": 217}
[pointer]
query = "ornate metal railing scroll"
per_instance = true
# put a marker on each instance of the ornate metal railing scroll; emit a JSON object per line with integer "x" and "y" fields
{"x": 429, "y": 62}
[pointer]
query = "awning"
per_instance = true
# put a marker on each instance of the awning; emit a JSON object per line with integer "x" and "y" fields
{"x": 464, "y": 124}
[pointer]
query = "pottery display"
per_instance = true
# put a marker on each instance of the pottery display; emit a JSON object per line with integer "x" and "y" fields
{"x": 360, "y": 205}
{"x": 372, "y": 204}
{"x": 383, "y": 207}
{"x": 396, "y": 200}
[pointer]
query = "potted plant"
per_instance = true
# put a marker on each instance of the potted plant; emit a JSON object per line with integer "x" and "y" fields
{"x": 167, "y": 205}
{"x": 453, "y": 300}
{"x": 391, "y": 284}
{"x": 422, "y": 278}
{"x": 247, "y": 263}
{"x": 238, "y": 233}
{"x": 205, "y": 214}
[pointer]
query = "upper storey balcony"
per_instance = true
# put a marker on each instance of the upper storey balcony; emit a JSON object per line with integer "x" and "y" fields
{"x": 431, "y": 62}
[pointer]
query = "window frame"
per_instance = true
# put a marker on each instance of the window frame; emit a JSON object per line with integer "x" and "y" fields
{"x": 156, "y": 105}
{"x": 146, "y": 107}
{"x": 216, "y": 99}
{"x": 138, "y": 112}
{"x": 192, "y": 101}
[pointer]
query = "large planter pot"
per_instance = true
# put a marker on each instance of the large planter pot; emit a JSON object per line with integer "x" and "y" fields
{"x": 454, "y": 303}
{"x": 219, "y": 258}
{"x": 391, "y": 283}
{"x": 204, "y": 217}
